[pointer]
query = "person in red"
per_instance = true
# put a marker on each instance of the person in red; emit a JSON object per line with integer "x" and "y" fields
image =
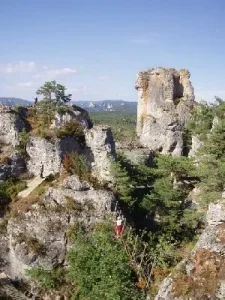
{"x": 119, "y": 226}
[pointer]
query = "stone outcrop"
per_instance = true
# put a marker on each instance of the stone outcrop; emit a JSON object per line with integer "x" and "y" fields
{"x": 11, "y": 123}
{"x": 196, "y": 144}
{"x": 39, "y": 237}
{"x": 100, "y": 150}
{"x": 201, "y": 274}
{"x": 74, "y": 114}
{"x": 46, "y": 155}
{"x": 165, "y": 100}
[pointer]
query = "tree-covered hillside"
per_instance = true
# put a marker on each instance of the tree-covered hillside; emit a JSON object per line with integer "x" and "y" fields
{"x": 123, "y": 124}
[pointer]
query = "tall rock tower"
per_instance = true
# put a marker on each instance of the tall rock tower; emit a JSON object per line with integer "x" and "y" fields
{"x": 165, "y": 100}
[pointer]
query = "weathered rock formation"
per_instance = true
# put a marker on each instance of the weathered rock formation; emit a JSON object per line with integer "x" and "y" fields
{"x": 39, "y": 237}
{"x": 100, "y": 150}
{"x": 76, "y": 114}
{"x": 202, "y": 274}
{"x": 165, "y": 99}
{"x": 11, "y": 123}
{"x": 46, "y": 156}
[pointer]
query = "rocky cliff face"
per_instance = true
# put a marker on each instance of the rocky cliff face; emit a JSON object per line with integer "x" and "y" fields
{"x": 165, "y": 100}
{"x": 202, "y": 274}
{"x": 77, "y": 114}
{"x": 11, "y": 123}
{"x": 39, "y": 237}
{"x": 47, "y": 155}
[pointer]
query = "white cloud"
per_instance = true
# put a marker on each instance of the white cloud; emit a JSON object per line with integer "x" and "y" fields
{"x": 37, "y": 72}
{"x": 47, "y": 71}
{"x": 20, "y": 67}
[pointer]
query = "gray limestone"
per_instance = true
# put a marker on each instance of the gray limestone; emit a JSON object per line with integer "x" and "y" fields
{"x": 165, "y": 99}
{"x": 39, "y": 237}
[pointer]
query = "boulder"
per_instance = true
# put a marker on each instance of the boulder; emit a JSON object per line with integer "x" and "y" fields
{"x": 165, "y": 100}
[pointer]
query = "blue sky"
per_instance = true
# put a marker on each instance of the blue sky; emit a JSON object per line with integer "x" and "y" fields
{"x": 96, "y": 47}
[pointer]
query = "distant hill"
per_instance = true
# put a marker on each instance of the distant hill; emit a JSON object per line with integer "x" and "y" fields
{"x": 104, "y": 105}
{"x": 107, "y": 105}
{"x": 13, "y": 101}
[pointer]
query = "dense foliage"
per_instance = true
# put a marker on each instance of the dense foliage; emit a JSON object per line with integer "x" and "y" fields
{"x": 100, "y": 266}
{"x": 211, "y": 155}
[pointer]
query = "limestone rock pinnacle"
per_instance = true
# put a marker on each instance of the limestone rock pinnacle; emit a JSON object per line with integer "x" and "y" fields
{"x": 165, "y": 99}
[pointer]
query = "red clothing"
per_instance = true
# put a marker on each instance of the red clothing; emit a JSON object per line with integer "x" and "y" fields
{"x": 119, "y": 229}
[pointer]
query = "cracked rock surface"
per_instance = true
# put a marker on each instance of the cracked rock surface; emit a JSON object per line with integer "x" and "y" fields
{"x": 39, "y": 237}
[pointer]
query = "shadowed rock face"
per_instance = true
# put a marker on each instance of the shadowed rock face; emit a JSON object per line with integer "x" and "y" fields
{"x": 165, "y": 99}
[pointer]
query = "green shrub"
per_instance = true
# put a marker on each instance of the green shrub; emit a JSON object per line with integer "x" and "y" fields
{"x": 100, "y": 266}
{"x": 49, "y": 279}
{"x": 77, "y": 164}
{"x": 73, "y": 129}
